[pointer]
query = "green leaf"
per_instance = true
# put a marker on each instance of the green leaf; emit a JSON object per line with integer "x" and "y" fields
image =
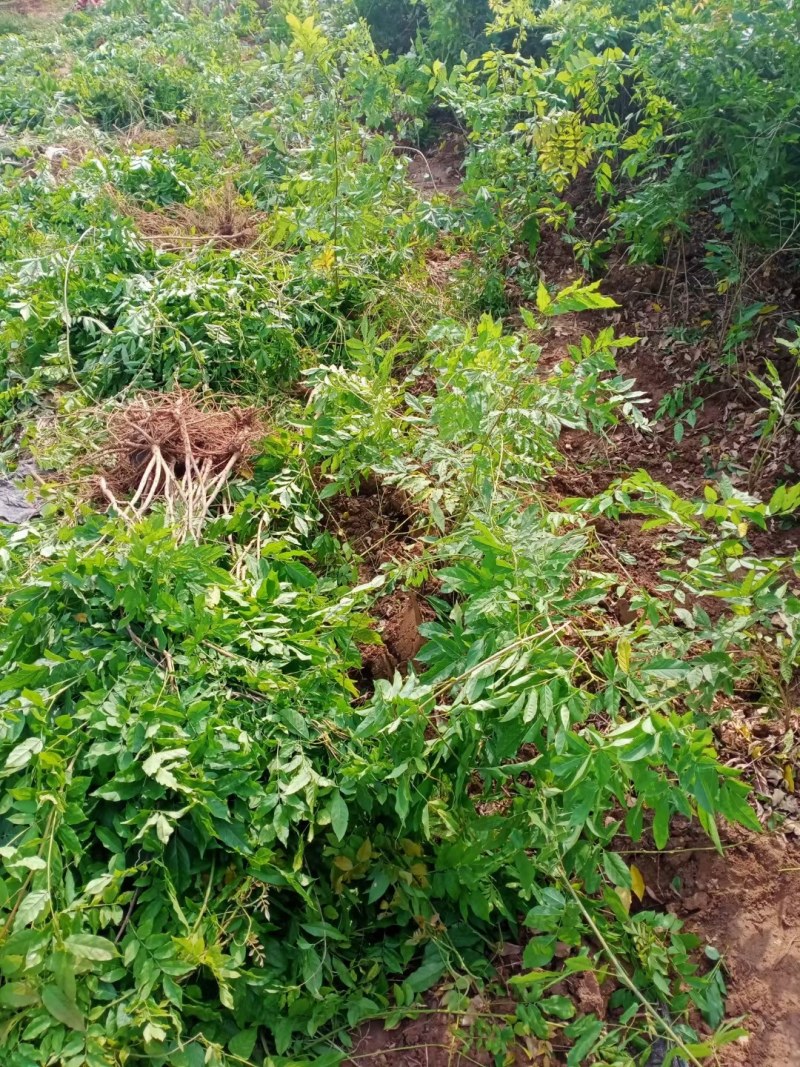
{"x": 380, "y": 884}
{"x": 576, "y": 297}
{"x": 617, "y": 870}
{"x": 339, "y": 815}
{"x": 24, "y": 752}
{"x": 661, "y": 824}
{"x": 426, "y": 975}
{"x": 576, "y": 1057}
{"x": 561, "y": 1007}
{"x": 90, "y": 947}
{"x": 243, "y": 1043}
{"x": 402, "y": 800}
{"x": 61, "y": 1007}
{"x": 31, "y": 908}
{"x": 539, "y": 951}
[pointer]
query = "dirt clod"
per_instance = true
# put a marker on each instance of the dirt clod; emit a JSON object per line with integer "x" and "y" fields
{"x": 398, "y": 618}
{"x": 378, "y": 522}
{"x": 402, "y": 616}
{"x": 588, "y": 994}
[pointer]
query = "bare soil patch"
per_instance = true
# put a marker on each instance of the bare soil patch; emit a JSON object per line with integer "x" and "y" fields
{"x": 39, "y": 9}
{"x": 378, "y": 522}
{"x": 681, "y": 323}
{"x": 441, "y": 1039}
{"x": 747, "y": 904}
{"x": 439, "y": 169}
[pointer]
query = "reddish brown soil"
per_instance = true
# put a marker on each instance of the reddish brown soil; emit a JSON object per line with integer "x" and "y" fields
{"x": 438, "y": 169}
{"x": 724, "y": 438}
{"x": 439, "y": 1039}
{"x": 42, "y": 9}
{"x": 378, "y": 522}
{"x": 747, "y": 904}
{"x": 398, "y": 618}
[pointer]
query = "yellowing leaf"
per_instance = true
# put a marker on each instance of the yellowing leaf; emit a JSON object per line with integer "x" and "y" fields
{"x": 411, "y": 848}
{"x": 625, "y": 897}
{"x": 637, "y": 881}
{"x": 788, "y": 777}
{"x": 325, "y": 260}
{"x": 624, "y": 655}
{"x": 364, "y": 851}
{"x": 420, "y": 872}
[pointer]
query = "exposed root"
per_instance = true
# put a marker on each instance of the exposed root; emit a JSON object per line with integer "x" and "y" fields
{"x": 176, "y": 449}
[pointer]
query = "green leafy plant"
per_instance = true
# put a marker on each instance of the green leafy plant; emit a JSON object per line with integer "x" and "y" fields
{"x": 223, "y": 840}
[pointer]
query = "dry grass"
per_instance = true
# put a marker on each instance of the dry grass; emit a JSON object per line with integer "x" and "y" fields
{"x": 142, "y": 136}
{"x": 219, "y": 218}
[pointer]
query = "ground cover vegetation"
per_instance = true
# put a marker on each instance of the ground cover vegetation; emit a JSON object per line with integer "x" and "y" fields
{"x": 320, "y": 706}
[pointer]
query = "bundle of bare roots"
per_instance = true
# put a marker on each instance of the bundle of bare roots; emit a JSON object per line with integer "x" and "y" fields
{"x": 178, "y": 449}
